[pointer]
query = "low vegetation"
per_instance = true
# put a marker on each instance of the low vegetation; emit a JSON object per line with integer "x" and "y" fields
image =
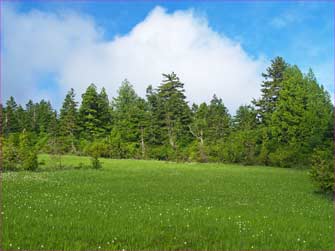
{"x": 156, "y": 205}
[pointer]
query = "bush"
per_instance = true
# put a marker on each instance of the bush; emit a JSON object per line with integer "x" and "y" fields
{"x": 99, "y": 148}
{"x": 96, "y": 150}
{"x": 322, "y": 170}
{"x": 10, "y": 155}
{"x": 27, "y": 152}
{"x": 30, "y": 162}
{"x": 288, "y": 156}
{"x": 198, "y": 152}
{"x": 96, "y": 164}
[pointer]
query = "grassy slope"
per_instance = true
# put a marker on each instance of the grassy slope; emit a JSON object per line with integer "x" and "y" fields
{"x": 158, "y": 205}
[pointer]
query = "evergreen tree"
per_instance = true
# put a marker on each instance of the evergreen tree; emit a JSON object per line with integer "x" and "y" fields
{"x": 219, "y": 120}
{"x": 156, "y": 136}
{"x": 270, "y": 89}
{"x": 245, "y": 118}
{"x": 104, "y": 112}
{"x": 9, "y": 152}
{"x": 90, "y": 124}
{"x": 27, "y": 152}
{"x": 31, "y": 117}
{"x": 11, "y": 121}
{"x": 199, "y": 129}
{"x": 44, "y": 116}
{"x": 68, "y": 120}
{"x": 301, "y": 119}
{"x": 175, "y": 111}
{"x": 130, "y": 122}
{"x": 242, "y": 142}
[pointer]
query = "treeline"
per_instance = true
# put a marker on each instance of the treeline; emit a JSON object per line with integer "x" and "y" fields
{"x": 287, "y": 126}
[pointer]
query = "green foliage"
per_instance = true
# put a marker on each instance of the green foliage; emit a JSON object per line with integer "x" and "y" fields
{"x": 10, "y": 156}
{"x": 96, "y": 150}
{"x": 96, "y": 164}
{"x": 68, "y": 122}
{"x": 292, "y": 118}
{"x": 10, "y": 117}
{"x": 27, "y": 153}
{"x": 174, "y": 111}
{"x": 131, "y": 121}
{"x": 93, "y": 113}
{"x": 322, "y": 171}
{"x": 270, "y": 89}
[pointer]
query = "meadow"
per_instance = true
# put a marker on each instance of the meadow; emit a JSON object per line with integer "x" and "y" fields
{"x": 155, "y": 205}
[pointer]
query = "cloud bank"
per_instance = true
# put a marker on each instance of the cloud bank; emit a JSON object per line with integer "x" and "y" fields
{"x": 72, "y": 49}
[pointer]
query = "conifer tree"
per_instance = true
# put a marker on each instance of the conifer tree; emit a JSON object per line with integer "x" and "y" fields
{"x": 11, "y": 121}
{"x": 104, "y": 112}
{"x": 90, "y": 124}
{"x": 175, "y": 111}
{"x": 130, "y": 122}
{"x": 270, "y": 89}
{"x": 27, "y": 152}
{"x": 68, "y": 120}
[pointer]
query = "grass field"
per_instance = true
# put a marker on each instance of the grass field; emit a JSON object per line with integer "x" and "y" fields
{"x": 141, "y": 205}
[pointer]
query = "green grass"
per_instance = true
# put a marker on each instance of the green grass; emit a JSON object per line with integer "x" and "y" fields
{"x": 142, "y": 205}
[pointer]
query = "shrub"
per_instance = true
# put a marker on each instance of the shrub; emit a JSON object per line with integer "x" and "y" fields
{"x": 96, "y": 164}
{"x": 96, "y": 150}
{"x": 198, "y": 152}
{"x": 30, "y": 162}
{"x": 27, "y": 152}
{"x": 10, "y": 155}
{"x": 322, "y": 170}
{"x": 288, "y": 156}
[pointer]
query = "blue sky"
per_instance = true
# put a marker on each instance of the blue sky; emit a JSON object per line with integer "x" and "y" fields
{"x": 301, "y": 32}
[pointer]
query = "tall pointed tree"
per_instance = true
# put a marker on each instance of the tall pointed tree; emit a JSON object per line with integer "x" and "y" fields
{"x": 90, "y": 124}
{"x": 11, "y": 122}
{"x": 104, "y": 112}
{"x": 270, "y": 89}
{"x": 219, "y": 120}
{"x": 68, "y": 119}
{"x": 176, "y": 112}
{"x": 130, "y": 122}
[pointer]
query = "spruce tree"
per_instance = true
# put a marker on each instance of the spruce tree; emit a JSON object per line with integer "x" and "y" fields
{"x": 68, "y": 120}
{"x": 90, "y": 124}
{"x": 270, "y": 89}
{"x": 130, "y": 115}
{"x": 219, "y": 120}
{"x": 104, "y": 112}
{"x": 175, "y": 111}
{"x": 11, "y": 121}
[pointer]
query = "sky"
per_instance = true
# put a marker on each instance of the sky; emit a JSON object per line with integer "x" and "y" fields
{"x": 215, "y": 47}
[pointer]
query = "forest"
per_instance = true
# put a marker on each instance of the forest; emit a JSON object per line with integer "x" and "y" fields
{"x": 290, "y": 125}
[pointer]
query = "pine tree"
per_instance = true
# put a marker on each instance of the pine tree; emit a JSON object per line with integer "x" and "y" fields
{"x": 27, "y": 152}
{"x": 11, "y": 122}
{"x": 44, "y": 116}
{"x": 68, "y": 120}
{"x": 156, "y": 135}
{"x": 270, "y": 89}
{"x": 104, "y": 112}
{"x": 130, "y": 115}
{"x": 90, "y": 124}
{"x": 245, "y": 118}
{"x": 31, "y": 117}
{"x": 199, "y": 129}
{"x": 175, "y": 111}
{"x": 219, "y": 120}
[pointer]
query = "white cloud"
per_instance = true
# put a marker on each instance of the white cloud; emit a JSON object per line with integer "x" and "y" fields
{"x": 72, "y": 47}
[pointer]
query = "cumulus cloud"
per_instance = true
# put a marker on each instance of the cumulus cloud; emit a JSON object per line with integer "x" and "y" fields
{"x": 72, "y": 48}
